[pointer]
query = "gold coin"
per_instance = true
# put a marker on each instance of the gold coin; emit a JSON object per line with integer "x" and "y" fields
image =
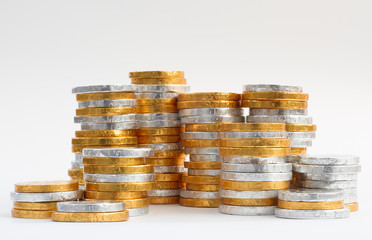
{"x": 113, "y": 161}
{"x": 202, "y": 179}
{"x": 106, "y": 133}
{"x": 104, "y": 96}
{"x": 203, "y": 127}
{"x": 158, "y": 131}
{"x": 77, "y": 174}
{"x": 250, "y": 202}
{"x": 203, "y": 187}
{"x": 47, "y": 186}
{"x": 275, "y": 95}
{"x": 168, "y": 154}
{"x": 255, "y": 152}
{"x": 352, "y": 206}
{"x": 164, "y": 200}
{"x": 115, "y": 187}
{"x": 157, "y": 74}
{"x": 274, "y": 104}
{"x": 208, "y": 104}
{"x": 300, "y": 127}
{"x": 156, "y": 101}
{"x": 203, "y": 165}
{"x": 255, "y": 142}
{"x": 158, "y": 81}
{"x": 105, "y": 111}
{"x": 298, "y": 151}
{"x": 165, "y": 161}
{"x": 136, "y": 203}
{"x": 137, "y": 169}
{"x": 311, "y": 205}
{"x": 157, "y": 109}
{"x": 209, "y": 96}
{"x": 39, "y": 206}
{"x": 167, "y": 177}
{"x": 105, "y": 141}
{"x": 252, "y": 127}
{"x": 159, "y": 139}
{"x": 167, "y": 185}
{"x": 254, "y": 186}
{"x": 120, "y": 195}
{"x": 20, "y": 213}
{"x": 200, "y": 202}
{"x": 79, "y": 148}
{"x": 90, "y": 216}
{"x": 201, "y": 143}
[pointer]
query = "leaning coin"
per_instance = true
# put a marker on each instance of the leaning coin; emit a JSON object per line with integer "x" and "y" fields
{"x": 257, "y": 168}
{"x": 302, "y": 168}
{"x": 280, "y": 119}
{"x": 145, "y": 177}
{"x": 199, "y": 135}
{"x": 106, "y": 119}
{"x": 246, "y": 211}
{"x": 204, "y": 172}
{"x": 199, "y": 194}
{"x": 90, "y": 206}
{"x": 157, "y": 116}
{"x": 310, "y": 195}
{"x": 271, "y": 87}
{"x": 310, "y": 214}
{"x": 156, "y": 95}
{"x": 169, "y": 169}
{"x": 204, "y": 158}
{"x": 46, "y": 197}
{"x": 329, "y": 159}
{"x": 300, "y": 135}
{"x": 211, "y": 111}
{"x": 273, "y": 112}
{"x": 162, "y": 146}
{"x": 135, "y": 212}
{"x": 252, "y": 135}
{"x": 327, "y": 176}
{"x": 118, "y": 152}
{"x": 159, "y": 123}
{"x": 104, "y": 88}
{"x": 302, "y": 142}
{"x": 202, "y": 150}
{"x": 249, "y": 194}
{"x": 327, "y": 185}
{"x": 254, "y": 160}
{"x": 162, "y": 88}
{"x": 212, "y": 119}
{"x": 163, "y": 192}
{"x": 233, "y": 176}
{"x": 108, "y": 126}
{"x": 108, "y": 103}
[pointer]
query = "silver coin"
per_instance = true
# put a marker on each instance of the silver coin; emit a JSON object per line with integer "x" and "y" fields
{"x": 163, "y": 193}
{"x": 327, "y": 185}
{"x": 302, "y": 142}
{"x": 350, "y": 191}
{"x": 248, "y": 194}
{"x": 280, "y": 119}
{"x": 76, "y": 165}
{"x": 211, "y": 112}
{"x": 78, "y": 157}
{"x": 106, "y": 119}
{"x": 201, "y": 150}
{"x": 156, "y": 95}
{"x": 169, "y": 169}
{"x": 199, "y": 135}
{"x": 144, "y": 177}
{"x": 271, "y": 87}
{"x": 212, "y": 119}
{"x": 82, "y": 187}
{"x": 204, "y": 158}
{"x": 300, "y": 135}
{"x": 104, "y": 88}
{"x": 165, "y": 123}
{"x": 253, "y": 160}
{"x": 234, "y": 176}
{"x": 302, "y": 168}
{"x": 328, "y": 176}
{"x": 130, "y": 152}
{"x": 252, "y": 135}
{"x": 329, "y": 159}
{"x": 108, "y": 103}
{"x": 310, "y": 195}
{"x": 351, "y": 199}
{"x": 246, "y": 211}
{"x": 272, "y": 112}
{"x": 90, "y": 206}
{"x": 46, "y": 197}
{"x": 257, "y": 168}
{"x": 136, "y": 212}
{"x": 204, "y": 172}
{"x": 311, "y": 214}
{"x": 162, "y": 146}
{"x": 162, "y": 88}
{"x": 199, "y": 194}
{"x": 108, "y": 126}
{"x": 293, "y": 159}
{"x": 157, "y": 116}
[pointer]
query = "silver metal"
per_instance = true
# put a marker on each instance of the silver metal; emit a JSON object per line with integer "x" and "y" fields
{"x": 210, "y": 112}
{"x": 311, "y": 214}
{"x": 301, "y": 142}
{"x": 78, "y": 157}
{"x": 199, "y": 135}
{"x": 212, "y": 119}
{"x": 201, "y": 150}
{"x": 156, "y": 95}
{"x": 162, "y": 146}
{"x": 246, "y": 211}
{"x": 136, "y": 212}
{"x": 327, "y": 185}
{"x": 329, "y": 159}
{"x": 106, "y": 119}
{"x": 204, "y": 172}
{"x": 311, "y": 195}
{"x": 280, "y": 119}
{"x": 328, "y": 176}
{"x": 144, "y": 177}
{"x": 271, "y": 87}
{"x": 108, "y": 126}
{"x": 302, "y": 168}
{"x": 104, "y": 88}
{"x": 162, "y": 88}
{"x": 252, "y": 134}
{"x": 75, "y": 164}
{"x": 253, "y": 160}
{"x": 300, "y": 135}
{"x": 350, "y": 191}
{"x": 46, "y": 197}
{"x": 204, "y": 158}
{"x": 169, "y": 169}
{"x": 90, "y": 206}
{"x": 163, "y": 193}
{"x": 165, "y": 123}
{"x": 199, "y": 194}
{"x": 118, "y": 152}
{"x": 351, "y": 199}
{"x": 233, "y": 176}
{"x": 272, "y": 112}
{"x": 108, "y": 103}
{"x": 248, "y": 194}
{"x": 293, "y": 159}
{"x": 141, "y": 117}
{"x": 257, "y": 168}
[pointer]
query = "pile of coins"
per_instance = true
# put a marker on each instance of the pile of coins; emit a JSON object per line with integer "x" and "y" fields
{"x": 159, "y": 127}
{"x": 202, "y": 114}
{"x": 90, "y": 211}
{"x": 281, "y": 104}
{"x": 107, "y": 117}
{"x": 311, "y": 203}
{"x": 254, "y": 167}
{"x": 119, "y": 174}
{"x": 39, "y": 199}
{"x": 332, "y": 172}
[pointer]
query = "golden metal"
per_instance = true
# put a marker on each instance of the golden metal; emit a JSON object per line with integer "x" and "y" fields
{"x": 203, "y": 127}
{"x": 255, "y": 142}
{"x": 250, "y": 202}
{"x": 157, "y": 109}
{"x": 254, "y": 186}
{"x": 158, "y": 81}
{"x": 209, "y": 96}
{"x": 298, "y": 151}
{"x": 311, "y": 205}
{"x": 113, "y": 161}
{"x": 275, "y": 95}
{"x": 20, "y": 213}
{"x": 105, "y": 111}
{"x": 352, "y": 206}
{"x": 120, "y": 195}
{"x": 159, "y": 139}
{"x": 106, "y": 133}
{"x": 201, "y": 143}
{"x": 208, "y": 104}
{"x": 115, "y": 187}
{"x": 105, "y": 141}
{"x": 168, "y": 154}
{"x": 39, "y": 206}
{"x": 255, "y": 152}
{"x": 47, "y": 186}
{"x": 203, "y": 165}
{"x": 167, "y": 185}
{"x": 274, "y": 104}
{"x": 104, "y": 96}
{"x": 158, "y": 131}
{"x": 156, "y": 101}
{"x": 300, "y": 127}
{"x": 167, "y": 177}
{"x": 165, "y": 161}
{"x": 77, "y": 174}
{"x": 202, "y": 187}
{"x": 90, "y": 216}
{"x": 200, "y": 202}
{"x": 202, "y": 179}
{"x": 164, "y": 200}
{"x": 138, "y": 169}
{"x": 157, "y": 74}
{"x": 252, "y": 127}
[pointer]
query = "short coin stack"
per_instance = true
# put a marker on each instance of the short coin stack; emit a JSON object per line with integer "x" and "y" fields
{"x": 254, "y": 167}
{"x": 281, "y": 104}
{"x": 329, "y": 172}
{"x": 107, "y": 117}
{"x": 159, "y": 128}
{"x": 202, "y": 114}
{"x": 90, "y": 211}
{"x": 119, "y": 174}
{"x": 311, "y": 203}
{"x": 39, "y": 199}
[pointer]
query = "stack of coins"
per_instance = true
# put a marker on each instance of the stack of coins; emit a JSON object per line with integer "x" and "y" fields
{"x": 119, "y": 174}
{"x": 159, "y": 128}
{"x": 281, "y": 104}
{"x": 202, "y": 114}
{"x": 329, "y": 172}
{"x": 254, "y": 167}
{"x": 90, "y": 211}
{"x": 311, "y": 203}
{"x": 39, "y": 199}
{"x": 107, "y": 117}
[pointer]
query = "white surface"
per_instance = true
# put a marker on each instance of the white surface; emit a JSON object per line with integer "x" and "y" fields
{"x": 49, "y": 47}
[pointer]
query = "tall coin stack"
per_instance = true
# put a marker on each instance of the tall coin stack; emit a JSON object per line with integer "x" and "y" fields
{"x": 254, "y": 167}
{"x": 159, "y": 128}
{"x": 107, "y": 117}
{"x": 332, "y": 172}
{"x": 202, "y": 114}
{"x": 119, "y": 174}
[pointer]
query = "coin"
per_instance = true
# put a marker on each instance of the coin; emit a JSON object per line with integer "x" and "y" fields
{"x": 250, "y": 202}
{"x": 162, "y": 88}
{"x": 246, "y": 210}
{"x": 300, "y": 127}
{"x": 199, "y": 202}
{"x": 113, "y": 161}
{"x": 201, "y": 143}
{"x": 164, "y": 200}
{"x": 156, "y": 101}
{"x": 119, "y": 152}
{"x": 104, "y": 88}
{"x": 162, "y": 146}
{"x": 90, "y": 206}
{"x": 157, "y": 117}
{"x": 96, "y": 96}
{"x": 273, "y": 112}
{"x": 150, "y": 81}
{"x": 304, "y": 142}
{"x": 34, "y": 214}
{"x": 209, "y": 127}
{"x": 237, "y": 176}
{"x": 39, "y": 206}
{"x": 168, "y": 154}
{"x": 46, "y": 186}
{"x": 353, "y": 207}
{"x": 76, "y": 165}
{"x": 202, "y": 150}
{"x": 252, "y": 127}
{"x": 136, "y": 203}
{"x": 275, "y": 95}
{"x": 165, "y": 161}
{"x": 212, "y": 119}
{"x": 46, "y": 196}
{"x": 163, "y": 192}
{"x": 203, "y": 165}
{"x": 327, "y": 185}
{"x": 104, "y": 111}
{"x": 330, "y": 159}
{"x": 157, "y": 109}
{"x": 108, "y": 126}
{"x": 199, "y": 194}
{"x": 135, "y": 212}
{"x": 255, "y": 151}
{"x": 169, "y": 169}
{"x": 257, "y": 168}
{"x": 158, "y": 139}
{"x": 310, "y": 214}
{"x": 252, "y": 135}
{"x": 117, "y": 178}
{"x": 204, "y": 158}
{"x": 106, "y": 119}
{"x": 157, "y": 74}
{"x": 209, "y": 96}
{"x": 160, "y": 123}
{"x": 311, "y": 205}
{"x": 158, "y": 131}
{"x": 281, "y": 119}
{"x": 208, "y": 104}
{"x": 310, "y": 195}
{"x": 301, "y": 135}
{"x": 199, "y": 135}
{"x": 211, "y": 112}
{"x": 90, "y": 216}
{"x": 249, "y": 194}
{"x": 274, "y": 104}
{"x": 119, "y": 195}
{"x": 204, "y": 172}
{"x": 79, "y": 148}
{"x": 156, "y": 95}
{"x": 167, "y": 177}
{"x": 104, "y": 187}
{"x": 105, "y": 141}
{"x": 202, "y": 179}
{"x": 167, "y": 185}
{"x": 254, "y": 185}
{"x": 255, "y": 142}
{"x": 271, "y": 87}
{"x": 298, "y": 151}
{"x": 108, "y": 103}
{"x": 326, "y": 168}
{"x": 202, "y": 187}
{"x": 327, "y": 176}
{"x": 253, "y": 160}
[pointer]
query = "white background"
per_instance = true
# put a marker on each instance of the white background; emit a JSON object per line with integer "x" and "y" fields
{"x": 48, "y": 47}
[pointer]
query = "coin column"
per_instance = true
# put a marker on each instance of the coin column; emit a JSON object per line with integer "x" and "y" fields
{"x": 254, "y": 167}
{"x": 332, "y": 172}
{"x": 159, "y": 128}
{"x": 202, "y": 114}
{"x": 106, "y": 114}
{"x": 119, "y": 174}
